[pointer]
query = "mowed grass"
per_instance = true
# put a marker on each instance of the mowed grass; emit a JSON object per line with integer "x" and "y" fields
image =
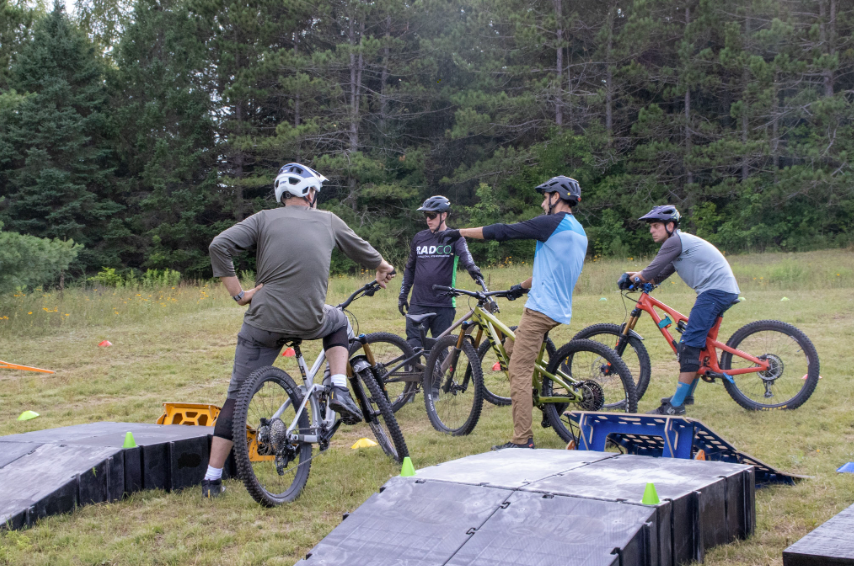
{"x": 178, "y": 344}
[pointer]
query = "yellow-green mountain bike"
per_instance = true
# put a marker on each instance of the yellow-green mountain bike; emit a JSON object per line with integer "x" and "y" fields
{"x": 580, "y": 375}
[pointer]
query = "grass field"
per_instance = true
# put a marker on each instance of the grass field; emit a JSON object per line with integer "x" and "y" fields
{"x": 176, "y": 344}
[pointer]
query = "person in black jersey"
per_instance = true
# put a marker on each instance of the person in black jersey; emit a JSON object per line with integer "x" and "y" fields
{"x": 432, "y": 263}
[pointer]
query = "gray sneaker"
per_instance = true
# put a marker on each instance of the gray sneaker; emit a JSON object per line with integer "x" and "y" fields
{"x": 668, "y": 410}
{"x": 341, "y": 402}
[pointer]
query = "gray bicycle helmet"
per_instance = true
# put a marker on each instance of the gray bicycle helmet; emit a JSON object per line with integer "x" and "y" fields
{"x": 664, "y": 213}
{"x": 567, "y": 187}
{"x": 436, "y": 203}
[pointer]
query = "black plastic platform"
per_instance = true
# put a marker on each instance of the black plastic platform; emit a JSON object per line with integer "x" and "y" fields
{"x": 831, "y": 544}
{"x": 54, "y": 470}
{"x": 545, "y": 507}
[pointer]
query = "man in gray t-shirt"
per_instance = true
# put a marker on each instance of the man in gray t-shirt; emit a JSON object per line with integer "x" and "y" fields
{"x": 294, "y": 248}
{"x": 703, "y": 268}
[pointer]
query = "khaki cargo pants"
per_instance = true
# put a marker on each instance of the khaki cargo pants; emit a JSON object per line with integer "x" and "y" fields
{"x": 529, "y": 338}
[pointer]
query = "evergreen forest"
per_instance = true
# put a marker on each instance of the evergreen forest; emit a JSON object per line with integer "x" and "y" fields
{"x": 133, "y": 131}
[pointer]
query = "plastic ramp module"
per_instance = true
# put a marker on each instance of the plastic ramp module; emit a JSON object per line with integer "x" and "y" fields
{"x": 831, "y": 544}
{"x": 546, "y": 507}
{"x": 668, "y": 437}
{"x": 53, "y": 471}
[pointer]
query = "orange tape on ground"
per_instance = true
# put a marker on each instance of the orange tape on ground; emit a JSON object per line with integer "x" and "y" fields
{"x": 7, "y": 365}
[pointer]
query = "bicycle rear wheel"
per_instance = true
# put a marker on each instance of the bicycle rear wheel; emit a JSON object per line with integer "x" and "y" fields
{"x": 398, "y": 378}
{"x": 634, "y": 353}
{"x": 794, "y": 366}
{"x": 273, "y": 469}
{"x": 496, "y": 380}
{"x": 377, "y": 412}
{"x": 604, "y": 383}
{"x": 453, "y": 387}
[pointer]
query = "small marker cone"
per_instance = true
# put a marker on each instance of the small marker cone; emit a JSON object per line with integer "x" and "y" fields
{"x": 289, "y": 353}
{"x": 701, "y": 455}
{"x": 496, "y": 366}
{"x": 571, "y": 445}
{"x": 650, "y": 496}
{"x": 363, "y": 443}
{"x": 785, "y": 299}
{"x": 603, "y": 299}
{"x": 27, "y": 415}
{"x": 105, "y": 344}
{"x": 129, "y": 441}
{"x": 407, "y": 470}
{"x": 741, "y": 299}
{"x": 806, "y": 375}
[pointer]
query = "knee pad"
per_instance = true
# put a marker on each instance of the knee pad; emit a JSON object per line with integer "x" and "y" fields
{"x": 225, "y": 420}
{"x": 689, "y": 358}
{"x": 337, "y": 338}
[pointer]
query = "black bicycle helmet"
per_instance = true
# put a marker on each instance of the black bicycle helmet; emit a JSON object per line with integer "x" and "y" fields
{"x": 664, "y": 213}
{"x": 436, "y": 203}
{"x": 567, "y": 187}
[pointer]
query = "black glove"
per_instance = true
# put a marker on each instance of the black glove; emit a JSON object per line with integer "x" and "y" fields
{"x": 624, "y": 283}
{"x": 475, "y": 273}
{"x": 448, "y": 236}
{"x": 402, "y": 305}
{"x": 515, "y": 292}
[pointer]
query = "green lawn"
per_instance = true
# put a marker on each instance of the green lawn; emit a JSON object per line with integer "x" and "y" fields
{"x": 177, "y": 345}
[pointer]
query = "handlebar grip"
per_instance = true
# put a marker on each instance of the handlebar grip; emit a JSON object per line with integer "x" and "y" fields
{"x": 441, "y": 288}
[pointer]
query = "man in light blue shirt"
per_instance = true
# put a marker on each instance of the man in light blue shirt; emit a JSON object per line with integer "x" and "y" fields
{"x": 559, "y": 257}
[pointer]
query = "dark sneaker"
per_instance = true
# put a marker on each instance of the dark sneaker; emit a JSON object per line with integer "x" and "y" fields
{"x": 212, "y": 488}
{"x": 689, "y": 400}
{"x": 669, "y": 410}
{"x": 529, "y": 444}
{"x": 341, "y": 402}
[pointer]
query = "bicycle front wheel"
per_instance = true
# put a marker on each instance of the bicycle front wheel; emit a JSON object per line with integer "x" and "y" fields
{"x": 793, "y": 372}
{"x": 634, "y": 352}
{"x": 453, "y": 387}
{"x": 378, "y": 414}
{"x": 273, "y": 468}
{"x": 496, "y": 380}
{"x": 602, "y": 383}
{"x": 395, "y": 366}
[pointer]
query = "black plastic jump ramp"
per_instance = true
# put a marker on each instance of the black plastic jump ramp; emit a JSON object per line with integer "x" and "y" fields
{"x": 55, "y": 470}
{"x": 547, "y": 507}
{"x": 831, "y": 544}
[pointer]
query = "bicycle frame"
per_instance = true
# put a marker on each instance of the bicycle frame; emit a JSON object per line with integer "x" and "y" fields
{"x": 708, "y": 356}
{"x": 489, "y": 324}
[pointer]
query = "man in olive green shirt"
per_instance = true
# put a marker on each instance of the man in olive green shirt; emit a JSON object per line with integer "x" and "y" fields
{"x": 294, "y": 247}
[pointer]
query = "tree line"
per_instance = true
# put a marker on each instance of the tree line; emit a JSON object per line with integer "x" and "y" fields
{"x": 139, "y": 129}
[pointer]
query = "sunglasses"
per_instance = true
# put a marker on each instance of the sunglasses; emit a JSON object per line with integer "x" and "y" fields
{"x": 430, "y": 215}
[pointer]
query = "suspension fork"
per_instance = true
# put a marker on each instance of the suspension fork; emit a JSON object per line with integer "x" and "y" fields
{"x": 623, "y": 339}
{"x": 455, "y": 357}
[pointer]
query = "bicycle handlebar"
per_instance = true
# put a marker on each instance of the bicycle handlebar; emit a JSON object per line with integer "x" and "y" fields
{"x": 367, "y": 290}
{"x": 480, "y": 296}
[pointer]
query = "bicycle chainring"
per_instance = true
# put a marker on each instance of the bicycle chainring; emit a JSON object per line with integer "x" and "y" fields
{"x": 592, "y": 396}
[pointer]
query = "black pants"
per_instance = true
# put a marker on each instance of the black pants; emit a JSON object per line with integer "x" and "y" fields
{"x": 436, "y": 325}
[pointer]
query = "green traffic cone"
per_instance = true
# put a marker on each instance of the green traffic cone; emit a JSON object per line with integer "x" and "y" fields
{"x": 785, "y": 299}
{"x": 603, "y": 299}
{"x": 27, "y": 415}
{"x": 650, "y": 496}
{"x": 129, "y": 441}
{"x": 407, "y": 470}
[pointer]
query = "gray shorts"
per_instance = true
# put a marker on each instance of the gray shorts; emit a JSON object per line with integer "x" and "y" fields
{"x": 257, "y": 348}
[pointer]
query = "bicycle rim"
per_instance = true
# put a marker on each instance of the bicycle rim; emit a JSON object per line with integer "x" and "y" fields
{"x": 380, "y": 417}
{"x": 273, "y": 469}
{"x": 635, "y": 355}
{"x": 389, "y": 352}
{"x": 496, "y": 381}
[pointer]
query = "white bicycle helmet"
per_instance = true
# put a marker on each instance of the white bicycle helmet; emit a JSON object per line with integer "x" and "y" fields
{"x": 297, "y": 179}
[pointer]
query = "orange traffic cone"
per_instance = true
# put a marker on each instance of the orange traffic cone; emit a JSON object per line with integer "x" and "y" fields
{"x": 496, "y": 366}
{"x": 105, "y": 344}
{"x": 289, "y": 353}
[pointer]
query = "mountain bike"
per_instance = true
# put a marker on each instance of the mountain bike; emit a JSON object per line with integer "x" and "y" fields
{"x": 581, "y": 374}
{"x": 767, "y": 364}
{"x": 277, "y": 422}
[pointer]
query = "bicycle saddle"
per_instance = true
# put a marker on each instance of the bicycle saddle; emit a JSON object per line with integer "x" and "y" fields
{"x": 419, "y": 318}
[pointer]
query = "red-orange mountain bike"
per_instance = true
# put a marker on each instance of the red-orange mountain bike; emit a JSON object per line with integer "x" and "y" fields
{"x": 764, "y": 365}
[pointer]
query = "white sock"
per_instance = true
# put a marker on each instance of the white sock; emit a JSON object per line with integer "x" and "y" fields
{"x": 213, "y": 473}
{"x": 339, "y": 380}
